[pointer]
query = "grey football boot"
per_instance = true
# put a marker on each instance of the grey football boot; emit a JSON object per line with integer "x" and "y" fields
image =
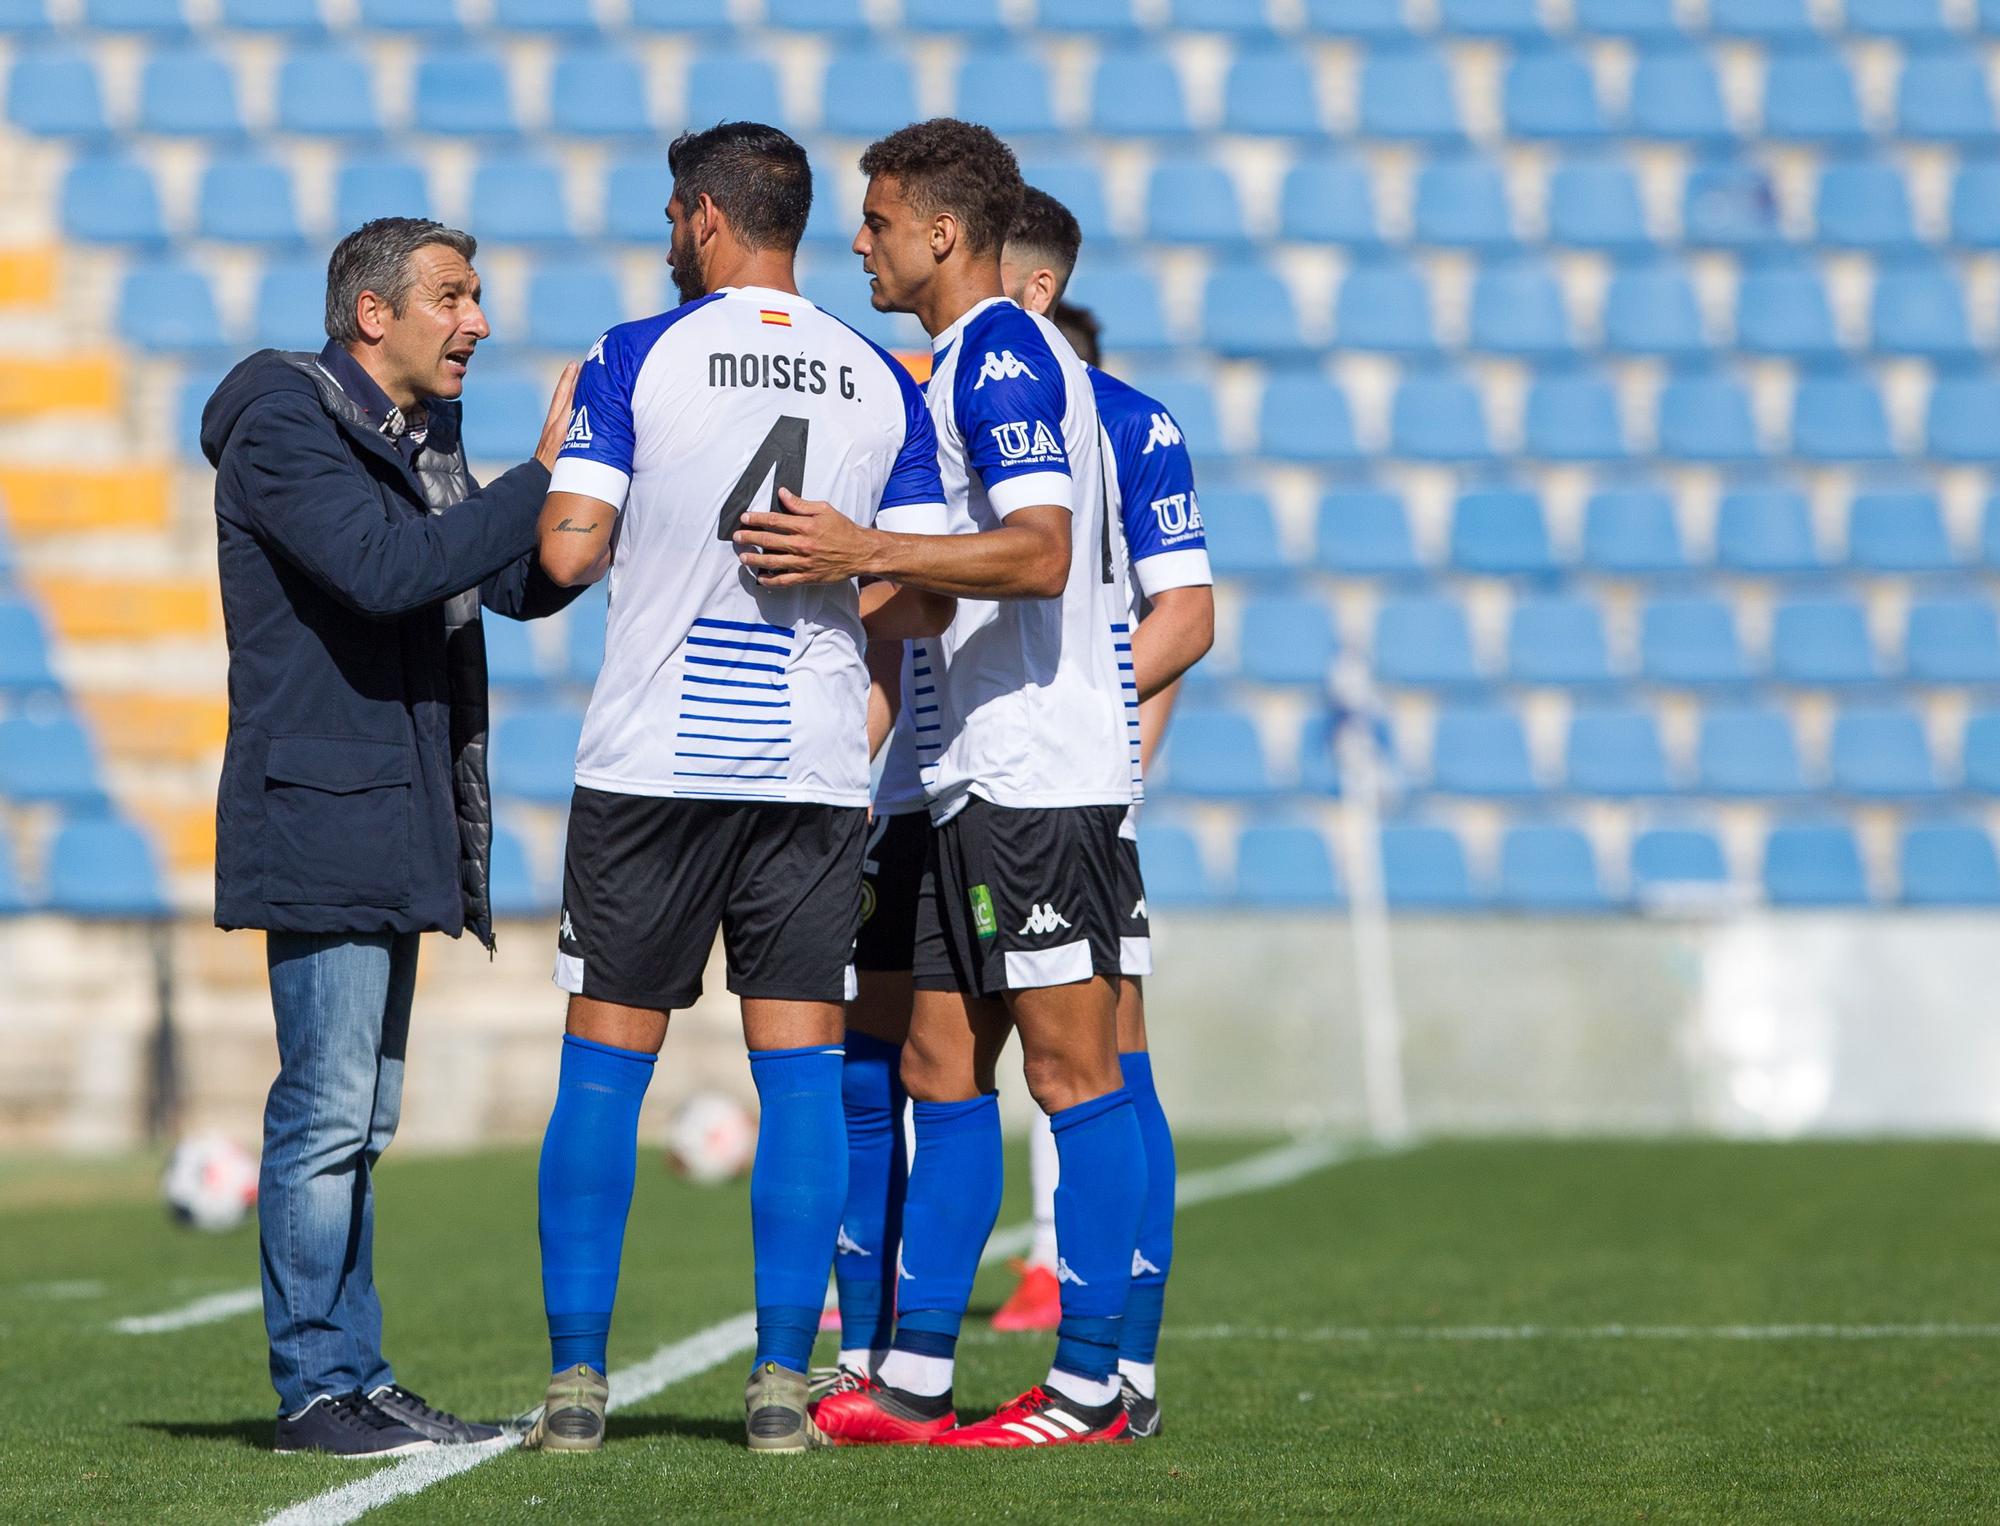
{"x": 774, "y": 1411}
{"x": 572, "y": 1412}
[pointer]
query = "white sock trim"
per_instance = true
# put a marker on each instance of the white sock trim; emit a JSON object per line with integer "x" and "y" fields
{"x": 1142, "y": 1375}
{"x": 926, "y": 1376}
{"x": 1091, "y": 1393}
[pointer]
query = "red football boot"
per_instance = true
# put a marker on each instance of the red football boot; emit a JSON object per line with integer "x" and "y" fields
{"x": 1035, "y": 1304}
{"x": 864, "y": 1412}
{"x": 1041, "y": 1419}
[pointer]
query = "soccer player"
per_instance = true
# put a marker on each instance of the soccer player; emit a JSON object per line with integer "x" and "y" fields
{"x": 1026, "y": 758}
{"x": 722, "y": 776}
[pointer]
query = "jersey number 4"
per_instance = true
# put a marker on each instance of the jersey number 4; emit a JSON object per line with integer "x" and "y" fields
{"x": 784, "y": 449}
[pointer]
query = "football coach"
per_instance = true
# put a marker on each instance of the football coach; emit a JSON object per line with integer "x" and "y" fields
{"x": 354, "y": 814}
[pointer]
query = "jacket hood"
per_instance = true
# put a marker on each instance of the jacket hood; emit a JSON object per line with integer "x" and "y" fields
{"x": 260, "y": 375}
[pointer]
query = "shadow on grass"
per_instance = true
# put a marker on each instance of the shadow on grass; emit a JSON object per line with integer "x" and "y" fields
{"x": 696, "y": 1427}
{"x": 245, "y": 1433}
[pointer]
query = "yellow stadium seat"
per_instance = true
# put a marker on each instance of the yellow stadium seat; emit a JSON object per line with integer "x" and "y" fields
{"x": 168, "y": 728}
{"x": 184, "y": 831}
{"x": 128, "y": 609}
{"x": 33, "y": 386}
{"x": 60, "y": 500}
{"x": 27, "y": 278}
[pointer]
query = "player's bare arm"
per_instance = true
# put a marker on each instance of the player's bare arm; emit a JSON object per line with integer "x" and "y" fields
{"x": 575, "y": 533}
{"x": 1026, "y": 558}
{"x": 896, "y": 614}
{"x": 1176, "y": 633}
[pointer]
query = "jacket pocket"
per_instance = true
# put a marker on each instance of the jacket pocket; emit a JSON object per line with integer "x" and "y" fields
{"x": 336, "y": 822}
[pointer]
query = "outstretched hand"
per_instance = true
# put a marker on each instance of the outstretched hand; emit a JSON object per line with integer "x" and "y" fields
{"x": 811, "y": 542}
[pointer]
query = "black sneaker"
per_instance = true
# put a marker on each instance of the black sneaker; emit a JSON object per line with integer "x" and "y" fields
{"x": 347, "y": 1425}
{"x": 1142, "y": 1415}
{"x": 442, "y": 1426}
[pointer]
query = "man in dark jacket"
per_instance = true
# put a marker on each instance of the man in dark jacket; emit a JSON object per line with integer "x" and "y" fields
{"x": 354, "y": 813}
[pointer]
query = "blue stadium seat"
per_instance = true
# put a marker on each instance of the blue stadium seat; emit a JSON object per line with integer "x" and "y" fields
{"x": 1424, "y": 868}
{"x": 191, "y": 395}
{"x": 1461, "y": 203}
{"x": 1075, "y": 180}
{"x": 1103, "y": 18}
{"x": 1006, "y": 89}
{"x": 48, "y": 758}
{"x": 518, "y": 199}
{"x": 1364, "y": 532}
{"x": 1840, "y": 417}
{"x": 188, "y": 92}
{"x": 514, "y": 888}
{"x": 1647, "y": 20}
{"x": 13, "y": 899}
{"x": 1814, "y": 865}
{"x": 583, "y": 635}
{"x": 1247, "y": 312}
{"x": 437, "y": 17}
{"x": 1549, "y": 869}
{"x": 1880, "y": 751}
{"x": 299, "y": 17}
{"x": 1175, "y": 874}
{"x": 1423, "y": 640}
{"x": 1374, "y": 20}
{"x": 1557, "y": 639}
{"x": 1763, "y": 20}
{"x": 26, "y": 18}
{"x": 543, "y": 16}
{"x": 1285, "y": 867}
{"x": 1731, "y": 204}
{"x": 1573, "y": 416}
{"x": 1979, "y": 753}
{"x": 1594, "y": 204}
{"x": 1550, "y": 93}
{"x": 534, "y": 753}
{"x": 705, "y": 16}
{"x": 1943, "y": 95}
{"x": 247, "y": 199}
{"x": 1782, "y": 309}
{"x": 1192, "y": 201}
{"x": 1668, "y": 862}
{"x": 510, "y": 654}
{"x": 1384, "y": 305}
{"x": 1809, "y": 96}
{"x": 368, "y": 187}
{"x": 1632, "y": 531}
{"x": 1898, "y": 532}
{"x": 157, "y": 16}
{"x": 1242, "y": 534}
{"x": 1691, "y": 641}
{"x": 1306, "y": 418}
{"x": 104, "y": 867}
{"x": 1271, "y": 92}
{"x": 1615, "y": 750}
{"x": 571, "y": 302}
{"x": 24, "y": 649}
{"x": 1500, "y": 531}
{"x": 1918, "y": 308}
{"x": 1216, "y": 753}
{"x": 1137, "y": 92}
{"x": 504, "y": 408}
{"x": 1822, "y": 641}
{"x": 1863, "y": 204}
{"x": 1948, "y": 863}
{"x": 1407, "y": 93}
{"x": 1125, "y": 295}
{"x": 1962, "y": 420}
{"x": 868, "y": 91}
{"x": 1675, "y": 95}
{"x": 462, "y": 93}
{"x": 111, "y": 199}
{"x": 1329, "y": 200}
{"x": 598, "y": 92}
{"x": 54, "y": 91}
{"x": 1438, "y": 417}
{"x": 327, "y": 92}
{"x": 291, "y": 304}
{"x": 1243, "y": 17}
{"x": 1651, "y": 310}
{"x": 1518, "y": 309}
{"x": 1975, "y": 204}
{"x": 1764, "y": 531}
{"x": 1706, "y": 418}
{"x": 830, "y": 17}
{"x": 1952, "y": 641}
{"x": 167, "y": 304}
{"x": 1286, "y": 639}
{"x": 1480, "y": 750}
{"x": 727, "y": 85}
{"x": 1908, "y": 20}
{"x": 1747, "y": 750}
{"x": 1516, "y": 20}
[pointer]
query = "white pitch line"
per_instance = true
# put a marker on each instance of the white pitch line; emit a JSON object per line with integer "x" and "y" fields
{"x": 710, "y": 1348}
{"x": 203, "y": 1311}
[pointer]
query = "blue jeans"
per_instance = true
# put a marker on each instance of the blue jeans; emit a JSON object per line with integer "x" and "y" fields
{"x": 342, "y": 1002}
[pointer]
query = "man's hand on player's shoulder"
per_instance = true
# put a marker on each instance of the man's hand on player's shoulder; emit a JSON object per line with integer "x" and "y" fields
{"x": 811, "y": 542}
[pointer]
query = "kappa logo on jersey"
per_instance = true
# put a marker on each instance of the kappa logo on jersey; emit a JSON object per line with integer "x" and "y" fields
{"x": 1064, "y": 1274}
{"x": 847, "y": 1245}
{"x": 596, "y": 351}
{"x": 1002, "y": 366}
{"x": 1141, "y": 1266}
{"x": 1178, "y": 514}
{"x": 1020, "y": 445}
{"x": 579, "y": 427}
{"x": 1043, "y": 919}
{"x": 1163, "y": 432}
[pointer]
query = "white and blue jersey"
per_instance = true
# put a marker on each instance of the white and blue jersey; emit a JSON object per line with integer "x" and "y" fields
{"x": 714, "y": 686}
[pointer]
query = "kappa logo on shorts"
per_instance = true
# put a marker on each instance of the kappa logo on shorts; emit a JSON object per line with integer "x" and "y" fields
{"x": 1139, "y": 909}
{"x": 847, "y": 1245}
{"x": 568, "y": 930}
{"x": 984, "y": 922}
{"x": 1043, "y": 919}
{"x": 902, "y": 1270}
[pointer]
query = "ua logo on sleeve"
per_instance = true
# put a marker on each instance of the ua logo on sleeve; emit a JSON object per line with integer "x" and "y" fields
{"x": 1018, "y": 444}
{"x": 1163, "y": 432}
{"x": 1001, "y": 366}
{"x": 579, "y": 427}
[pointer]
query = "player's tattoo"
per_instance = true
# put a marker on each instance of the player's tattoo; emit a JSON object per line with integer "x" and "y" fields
{"x": 570, "y": 526}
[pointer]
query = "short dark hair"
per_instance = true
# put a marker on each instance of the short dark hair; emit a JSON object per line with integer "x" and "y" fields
{"x": 945, "y": 165}
{"x": 1047, "y": 227}
{"x": 1080, "y": 327}
{"x": 376, "y": 257}
{"x": 757, "y": 175}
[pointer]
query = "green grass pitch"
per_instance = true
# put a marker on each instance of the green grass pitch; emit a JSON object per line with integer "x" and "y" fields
{"x": 1465, "y": 1331}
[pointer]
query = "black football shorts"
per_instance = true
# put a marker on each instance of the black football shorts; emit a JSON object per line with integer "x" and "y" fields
{"x": 1135, "y": 931}
{"x": 892, "y": 870}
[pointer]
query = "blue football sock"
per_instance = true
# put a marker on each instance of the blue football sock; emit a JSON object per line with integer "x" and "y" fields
{"x": 797, "y": 1189}
{"x": 588, "y": 1162}
{"x": 1100, "y": 1193}
{"x": 1139, "y": 1340}
{"x": 871, "y": 1092}
{"x": 948, "y": 1215}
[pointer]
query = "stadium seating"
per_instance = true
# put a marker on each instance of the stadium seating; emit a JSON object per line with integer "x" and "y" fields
{"x": 1549, "y": 869}
{"x": 1285, "y": 867}
{"x": 1552, "y": 639}
{"x": 104, "y": 868}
